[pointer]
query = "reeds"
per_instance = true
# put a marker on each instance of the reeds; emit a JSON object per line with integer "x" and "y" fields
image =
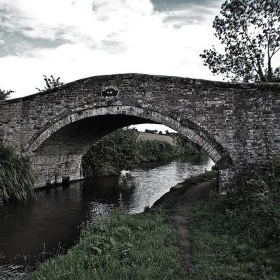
{"x": 16, "y": 178}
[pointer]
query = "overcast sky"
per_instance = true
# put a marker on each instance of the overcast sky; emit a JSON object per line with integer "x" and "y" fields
{"x": 74, "y": 39}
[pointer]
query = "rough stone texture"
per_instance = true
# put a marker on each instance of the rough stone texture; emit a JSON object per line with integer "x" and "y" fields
{"x": 237, "y": 125}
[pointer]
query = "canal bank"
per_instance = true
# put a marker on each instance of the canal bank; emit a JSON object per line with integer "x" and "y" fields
{"x": 221, "y": 238}
{"x": 42, "y": 227}
{"x": 140, "y": 246}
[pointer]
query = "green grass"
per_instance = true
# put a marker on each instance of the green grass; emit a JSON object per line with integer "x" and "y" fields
{"x": 141, "y": 246}
{"x": 234, "y": 237}
{"x": 238, "y": 236}
{"x": 167, "y": 200}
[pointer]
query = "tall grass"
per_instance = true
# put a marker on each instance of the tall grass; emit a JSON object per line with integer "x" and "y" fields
{"x": 238, "y": 236}
{"x": 16, "y": 178}
{"x": 123, "y": 247}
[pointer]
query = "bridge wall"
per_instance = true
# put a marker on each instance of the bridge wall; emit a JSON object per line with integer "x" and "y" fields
{"x": 236, "y": 124}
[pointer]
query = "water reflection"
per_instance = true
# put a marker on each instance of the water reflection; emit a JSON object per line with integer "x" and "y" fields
{"x": 55, "y": 217}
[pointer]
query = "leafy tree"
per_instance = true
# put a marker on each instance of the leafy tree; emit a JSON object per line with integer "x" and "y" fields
{"x": 51, "y": 83}
{"x": 4, "y": 94}
{"x": 111, "y": 154}
{"x": 249, "y": 30}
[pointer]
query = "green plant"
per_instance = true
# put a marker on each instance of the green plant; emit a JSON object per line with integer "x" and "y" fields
{"x": 16, "y": 178}
{"x": 112, "y": 154}
{"x": 4, "y": 94}
{"x": 51, "y": 83}
{"x": 123, "y": 247}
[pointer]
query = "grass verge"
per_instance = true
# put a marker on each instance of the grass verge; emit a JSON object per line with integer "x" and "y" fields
{"x": 238, "y": 236}
{"x": 141, "y": 246}
{"x": 167, "y": 200}
{"x": 207, "y": 176}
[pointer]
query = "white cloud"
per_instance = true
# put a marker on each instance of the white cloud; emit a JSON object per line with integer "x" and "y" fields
{"x": 103, "y": 37}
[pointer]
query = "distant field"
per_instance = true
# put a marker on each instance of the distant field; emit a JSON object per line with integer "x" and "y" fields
{"x": 150, "y": 136}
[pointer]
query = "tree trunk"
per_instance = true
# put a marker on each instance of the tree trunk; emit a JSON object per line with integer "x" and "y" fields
{"x": 269, "y": 71}
{"x": 260, "y": 72}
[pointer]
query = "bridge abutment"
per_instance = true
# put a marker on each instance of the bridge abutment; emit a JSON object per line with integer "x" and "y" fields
{"x": 52, "y": 169}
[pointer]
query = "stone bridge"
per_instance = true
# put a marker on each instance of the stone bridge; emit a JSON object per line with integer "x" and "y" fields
{"x": 237, "y": 125}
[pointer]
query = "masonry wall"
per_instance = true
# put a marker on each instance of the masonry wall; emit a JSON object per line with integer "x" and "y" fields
{"x": 238, "y": 122}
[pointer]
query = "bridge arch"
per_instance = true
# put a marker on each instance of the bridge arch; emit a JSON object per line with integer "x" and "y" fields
{"x": 71, "y": 135}
{"x": 236, "y": 124}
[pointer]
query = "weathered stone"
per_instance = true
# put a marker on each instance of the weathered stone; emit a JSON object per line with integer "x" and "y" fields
{"x": 237, "y": 125}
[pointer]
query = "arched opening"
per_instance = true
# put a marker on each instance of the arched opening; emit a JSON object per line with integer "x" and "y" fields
{"x": 57, "y": 149}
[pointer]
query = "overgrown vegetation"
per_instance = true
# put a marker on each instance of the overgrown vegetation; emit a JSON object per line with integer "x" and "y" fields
{"x": 16, "y": 178}
{"x": 237, "y": 236}
{"x": 4, "y": 94}
{"x": 141, "y": 246}
{"x": 122, "y": 150}
{"x": 51, "y": 83}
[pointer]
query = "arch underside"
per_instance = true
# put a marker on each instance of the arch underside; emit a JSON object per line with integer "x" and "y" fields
{"x": 60, "y": 145}
{"x": 78, "y": 131}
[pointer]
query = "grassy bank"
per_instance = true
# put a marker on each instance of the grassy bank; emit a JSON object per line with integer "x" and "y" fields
{"x": 16, "y": 178}
{"x": 141, "y": 246}
{"x": 238, "y": 236}
{"x": 234, "y": 237}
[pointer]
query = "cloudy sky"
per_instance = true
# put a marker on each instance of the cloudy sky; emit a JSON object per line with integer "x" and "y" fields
{"x": 74, "y": 39}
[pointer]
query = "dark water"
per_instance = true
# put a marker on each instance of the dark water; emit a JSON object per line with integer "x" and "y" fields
{"x": 31, "y": 232}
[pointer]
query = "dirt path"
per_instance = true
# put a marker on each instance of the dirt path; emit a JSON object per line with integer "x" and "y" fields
{"x": 180, "y": 202}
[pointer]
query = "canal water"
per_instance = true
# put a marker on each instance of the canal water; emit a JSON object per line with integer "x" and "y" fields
{"x": 32, "y": 232}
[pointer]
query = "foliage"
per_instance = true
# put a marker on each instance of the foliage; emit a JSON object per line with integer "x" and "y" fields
{"x": 142, "y": 246}
{"x": 51, "y": 83}
{"x": 237, "y": 236}
{"x": 249, "y": 30}
{"x": 183, "y": 145}
{"x": 16, "y": 179}
{"x": 152, "y": 150}
{"x": 111, "y": 154}
{"x": 4, "y": 94}
{"x": 123, "y": 150}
